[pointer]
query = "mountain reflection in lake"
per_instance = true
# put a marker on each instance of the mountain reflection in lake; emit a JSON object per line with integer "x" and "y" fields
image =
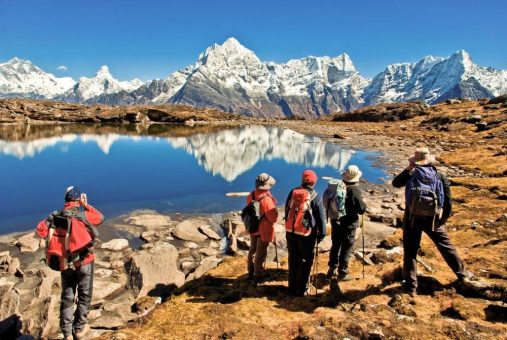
{"x": 169, "y": 169}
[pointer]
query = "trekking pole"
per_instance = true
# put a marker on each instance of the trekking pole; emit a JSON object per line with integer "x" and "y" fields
{"x": 276, "y": 254}
{"x": 362, "y": 232}
{"x": 316, "y": 268}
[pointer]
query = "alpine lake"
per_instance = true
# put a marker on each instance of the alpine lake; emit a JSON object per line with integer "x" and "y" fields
{"x": 166, "y": 168}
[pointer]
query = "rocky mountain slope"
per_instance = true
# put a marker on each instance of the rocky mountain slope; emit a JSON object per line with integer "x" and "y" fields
{"x": 231, "y": 78}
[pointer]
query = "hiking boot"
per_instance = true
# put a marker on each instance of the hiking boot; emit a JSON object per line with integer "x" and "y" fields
{"x": 345, "y": 277}
{"x": 81, "y": 334}
{"x": 467, "y": 276}
{"x": 332, "y": 272}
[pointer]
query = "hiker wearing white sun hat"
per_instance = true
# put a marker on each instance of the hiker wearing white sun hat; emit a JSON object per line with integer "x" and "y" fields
{"x": 343, "y": 229}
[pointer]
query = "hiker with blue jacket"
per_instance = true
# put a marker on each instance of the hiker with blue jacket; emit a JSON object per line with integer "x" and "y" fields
{"x": 427, "y": 207}
{"x": 343, "y": 213}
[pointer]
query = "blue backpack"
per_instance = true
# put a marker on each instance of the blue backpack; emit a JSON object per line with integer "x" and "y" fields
{"x": 424, "y": 195}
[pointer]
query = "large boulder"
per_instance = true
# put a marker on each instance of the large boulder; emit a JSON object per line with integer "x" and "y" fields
{"x": 28, "y": 243}
{"x": 189, "y": 231}
{"x": 154, "y": 271}
{"x": 117, "y": 244}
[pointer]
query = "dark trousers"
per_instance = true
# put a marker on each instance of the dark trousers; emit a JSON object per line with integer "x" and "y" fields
{"x": 343, "y": 239}
{"x": 301, "y": 252}
{"x": 80, "y": 280}
{"x": 411, "y": 242}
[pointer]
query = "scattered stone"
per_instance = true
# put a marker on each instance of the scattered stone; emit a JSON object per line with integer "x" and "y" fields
{"x": 208, "y": 231}
{"x": 188, "y": 231}
{"x": 108, "y": 322}
{"x": 208, "y": 251}
{"x": 117, "y": 244}
{"x": 149, "y": 236}
{"x": 94, "y": 314}
{"x": 472, "y": 119}
{"x": 14, "y": 265}
{"x": 146, "y": 304}
{"x": 187, "y": 266}
{"x": 191, "y": 245}
{"x": 103, "y": 288}
{"x": 118, "y": 264}
{"x": 102, "y": 264}
{"x": 453, "y": 101}
{"x": 28, "y": 243}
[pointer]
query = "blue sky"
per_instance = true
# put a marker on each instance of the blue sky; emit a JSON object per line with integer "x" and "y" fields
{"x": 150, "y": 39}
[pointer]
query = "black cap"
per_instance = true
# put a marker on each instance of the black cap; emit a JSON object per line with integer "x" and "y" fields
{"x": 72, "y": 194}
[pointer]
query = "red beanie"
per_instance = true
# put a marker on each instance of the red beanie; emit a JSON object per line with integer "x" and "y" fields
{"x": 309, "y": 177}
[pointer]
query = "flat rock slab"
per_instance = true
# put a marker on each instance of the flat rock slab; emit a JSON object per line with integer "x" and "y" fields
{"x": 104, "y": 287}
{"x": 28, "y": 243}
{"x": 189, "y": 231}
{"x": 149, "y": 219}
{"x": 117, "y": 244}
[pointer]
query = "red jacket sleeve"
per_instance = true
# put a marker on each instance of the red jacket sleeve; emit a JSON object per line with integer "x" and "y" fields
{"x": 93, "y": 216}
{"x": 268, "y": 208}
{"x": 42, "y": 229}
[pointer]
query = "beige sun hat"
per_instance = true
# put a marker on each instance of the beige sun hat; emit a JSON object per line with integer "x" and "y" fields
{"x": 352, "y": 174}
{"x": 264, "y": 181}
{"x": 422, "y": 156}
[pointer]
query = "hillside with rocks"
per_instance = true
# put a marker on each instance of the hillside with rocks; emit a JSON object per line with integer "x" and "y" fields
{"x": 29, "y": 111}
{"x": 202, "y": 290}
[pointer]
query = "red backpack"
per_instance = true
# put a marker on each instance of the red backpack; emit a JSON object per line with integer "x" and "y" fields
{"x": 299, "y": 217}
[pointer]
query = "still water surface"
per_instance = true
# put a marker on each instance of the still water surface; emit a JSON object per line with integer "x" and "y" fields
{"x": 171, "y": 170}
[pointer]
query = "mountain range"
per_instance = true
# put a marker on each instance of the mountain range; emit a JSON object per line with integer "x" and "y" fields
{"x": 231, "y": 78}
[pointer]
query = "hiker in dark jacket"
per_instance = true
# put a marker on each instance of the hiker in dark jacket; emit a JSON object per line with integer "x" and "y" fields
{"x": 433, "y": 226}
{"x": 343, "y": 230}
{"x": 305, "y": 224}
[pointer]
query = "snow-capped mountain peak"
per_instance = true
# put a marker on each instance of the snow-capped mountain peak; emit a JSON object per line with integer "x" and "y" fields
{"x": 103, "y": 72}
{"x": 21, "y": 78}
{"x": 102, "y": 83}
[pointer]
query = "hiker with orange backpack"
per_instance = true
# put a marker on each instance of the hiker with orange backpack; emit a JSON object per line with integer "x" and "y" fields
{"x": 259, "y": 217}
{"x": 428, "y": 205}
{"x": 305, "y": 224}
{"x": 343, "y": 208}
{"x": 70, "y": 234}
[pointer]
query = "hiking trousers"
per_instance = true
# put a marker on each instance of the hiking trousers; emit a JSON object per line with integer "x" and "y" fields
{"x": 411, "y": 243}
{"x": 257, "y": 256}
{"x": 343, "y": 239}
{"x": 78, "y": 280}
{"x": 301, "y": 251}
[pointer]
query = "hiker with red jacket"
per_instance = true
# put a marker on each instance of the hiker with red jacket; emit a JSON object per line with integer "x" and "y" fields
{"x": 70, "y": 234}
{"x": 343, "y": 227}
{"x": 259, "y": 240}
{"x": 428, "y": 205}
{"x": 305, "y": 224}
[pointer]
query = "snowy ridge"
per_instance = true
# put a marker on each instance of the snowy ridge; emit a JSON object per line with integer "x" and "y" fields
{"x": 231, "y": 78}
{"x": 20, "y": 78}
{"x": 102, "y": 83}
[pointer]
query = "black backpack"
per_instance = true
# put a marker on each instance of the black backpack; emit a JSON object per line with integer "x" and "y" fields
{"x": 250, "y": 215}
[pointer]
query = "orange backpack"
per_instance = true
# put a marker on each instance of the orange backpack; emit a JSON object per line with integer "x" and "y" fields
{"x": 299, "y": 217}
